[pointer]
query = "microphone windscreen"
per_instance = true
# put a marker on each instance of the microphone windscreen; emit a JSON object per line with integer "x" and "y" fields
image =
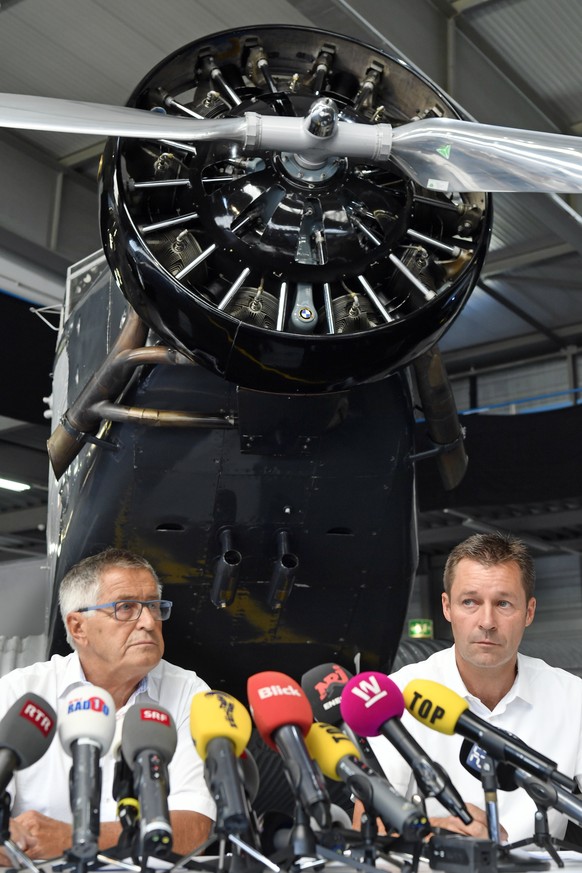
{"x": 277, "y": 700}
{"x": 327, "y": 746}
{"x": 148, "y": 727}
{"x": 434, "y": 705}
{"x": 249, "y": 773}
{"x": 215, "y": 714}
{"x": 368, "y": 701}
{"x": 87, "y": 713}
{"x": 323, "y": 686}
{"x": 471, "y": 757}
{"x": 28, "y": 728}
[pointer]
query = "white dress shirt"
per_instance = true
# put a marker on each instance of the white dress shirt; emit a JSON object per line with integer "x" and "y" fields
{"x": 543, "y": 708}
{"x": 45, "y": 785}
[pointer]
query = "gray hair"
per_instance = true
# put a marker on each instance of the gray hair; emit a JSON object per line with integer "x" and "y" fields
{"x": 81, "y": 586}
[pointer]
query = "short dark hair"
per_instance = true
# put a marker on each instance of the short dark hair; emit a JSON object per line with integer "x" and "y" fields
{"x": 490, "y": 549}
{"x": 81, "y": 585}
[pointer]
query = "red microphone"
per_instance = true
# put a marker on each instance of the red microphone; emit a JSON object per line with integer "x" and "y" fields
{"x": 283, "y": 717}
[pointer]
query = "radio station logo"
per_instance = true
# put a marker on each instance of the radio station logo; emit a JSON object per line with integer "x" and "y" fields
{"x": 94, "y": 704}
{"x": 155, "y": 715}
{"x": 38, "y": 717}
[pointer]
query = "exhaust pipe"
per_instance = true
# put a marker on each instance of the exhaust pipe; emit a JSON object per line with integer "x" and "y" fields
{"x": 440, "y": 411}
{"x": 226, "y": 573}
{"x": 284, "y": 573}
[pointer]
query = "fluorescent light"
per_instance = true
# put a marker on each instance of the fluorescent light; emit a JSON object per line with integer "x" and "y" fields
{"x": 10, "y": 485}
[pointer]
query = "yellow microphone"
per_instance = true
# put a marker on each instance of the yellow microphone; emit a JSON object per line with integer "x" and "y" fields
{"x": 443, "y": 710}
{"x": 221, "y": 728}
{"x": 339, "y": 759}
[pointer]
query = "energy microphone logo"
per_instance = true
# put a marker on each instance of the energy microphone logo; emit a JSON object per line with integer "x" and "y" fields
{"x": 278, "y": 691}
{"x": 95, "y": 704}
{"x": 38, "y": 717}
{"x": 369, "y": 691}
{"x": 154, "y": 715}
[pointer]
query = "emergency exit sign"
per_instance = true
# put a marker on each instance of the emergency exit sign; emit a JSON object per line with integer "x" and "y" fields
{"x": 420, "y": 628}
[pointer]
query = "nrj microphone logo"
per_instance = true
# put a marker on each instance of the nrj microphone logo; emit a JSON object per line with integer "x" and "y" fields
{"x": 369, "y": 691}
{"x": 94, "y": 704}
{"x": 338, "y": 676}
{"x": 38, "y": 717}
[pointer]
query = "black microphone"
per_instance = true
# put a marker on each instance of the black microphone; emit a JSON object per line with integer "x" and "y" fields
{"x": 441, "y": 709}
{"x": 545, "y": 794}
{"x": 372, "y": 704}
{"x": 125, "y": 795}
{"x": 26, "y": 732}
{"x": 86, "y": 728}
{"x": 324, "y": 686}
{"x": 480, "y": 764}
{"x": 148, "y": 741}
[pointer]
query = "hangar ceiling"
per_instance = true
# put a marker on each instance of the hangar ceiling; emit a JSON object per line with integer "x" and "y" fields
{"x": 508, "y": 62}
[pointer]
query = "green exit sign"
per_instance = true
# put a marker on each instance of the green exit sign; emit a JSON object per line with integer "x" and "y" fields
{"x": 420, "y": 628}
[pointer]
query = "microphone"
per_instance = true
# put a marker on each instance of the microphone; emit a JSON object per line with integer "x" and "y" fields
{"x": 372, "y": 704}
{"x": 249, "y": 773}
{"x": 339, "y": 759}
{"x": 441, "y": 709}
{"x": 510, "y": 778}
{"x": 124, "y": 793}
{"x": 86, "y": 728}
{"x": 323, "y": 686}
{"x": 283, "y": 718}
{"x": 148, "y": 741}
{"x": 221, "y": 728}
{"x": 26, "y": 732}
{"x": 478, "y": 763}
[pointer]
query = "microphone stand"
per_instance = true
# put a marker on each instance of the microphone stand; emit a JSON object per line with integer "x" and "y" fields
{"x": 542, "y": 836}
{"x": 19, "y": 859}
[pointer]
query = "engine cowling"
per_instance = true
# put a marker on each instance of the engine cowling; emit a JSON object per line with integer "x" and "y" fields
{"x": 280, "y": 271}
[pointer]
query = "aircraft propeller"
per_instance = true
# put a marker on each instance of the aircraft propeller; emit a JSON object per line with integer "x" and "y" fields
{"x": 442, "y": 154}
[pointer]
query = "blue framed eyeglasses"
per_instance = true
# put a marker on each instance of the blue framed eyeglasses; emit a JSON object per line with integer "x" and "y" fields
{"x": 130, "y": 610}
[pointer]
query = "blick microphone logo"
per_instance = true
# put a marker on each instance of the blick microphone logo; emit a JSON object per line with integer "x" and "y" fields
{"x": 369, "y": 691}
{"x": 278, "y": 691}
{"x": 154, "y": 715}
{"x": 96, "y": 704}
{"x": 38, "y": 717}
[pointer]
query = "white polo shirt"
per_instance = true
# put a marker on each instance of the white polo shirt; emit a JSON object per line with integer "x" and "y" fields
{"x": 543, "y": 708}
{"x": 45, "y": 785}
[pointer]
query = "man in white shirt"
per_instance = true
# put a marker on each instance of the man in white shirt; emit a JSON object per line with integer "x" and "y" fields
{"x": 110, "y": 604}
{"x": 488, "y": 599}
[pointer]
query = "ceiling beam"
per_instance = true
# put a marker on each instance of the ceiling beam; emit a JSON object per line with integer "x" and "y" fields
{"x": 510, "y": 258}
{"x": 18, "y": 520}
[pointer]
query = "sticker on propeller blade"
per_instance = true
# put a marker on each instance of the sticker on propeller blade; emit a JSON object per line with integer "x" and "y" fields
{"x": 437, "y": 185}
{"x": 445, "y": 151}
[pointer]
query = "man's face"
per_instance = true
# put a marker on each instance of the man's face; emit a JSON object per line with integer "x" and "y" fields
{"x": 488, "y": 612}
{"x": 130, "y": 648}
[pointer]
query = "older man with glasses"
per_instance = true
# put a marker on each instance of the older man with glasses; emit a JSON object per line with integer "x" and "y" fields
{"x": 113, "y": 612}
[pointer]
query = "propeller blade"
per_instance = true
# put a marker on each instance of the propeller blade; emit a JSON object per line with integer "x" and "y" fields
{"x": 447, "y": 154}
{"x": 73, "y": 116}
{"x": 443, "y": 154}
